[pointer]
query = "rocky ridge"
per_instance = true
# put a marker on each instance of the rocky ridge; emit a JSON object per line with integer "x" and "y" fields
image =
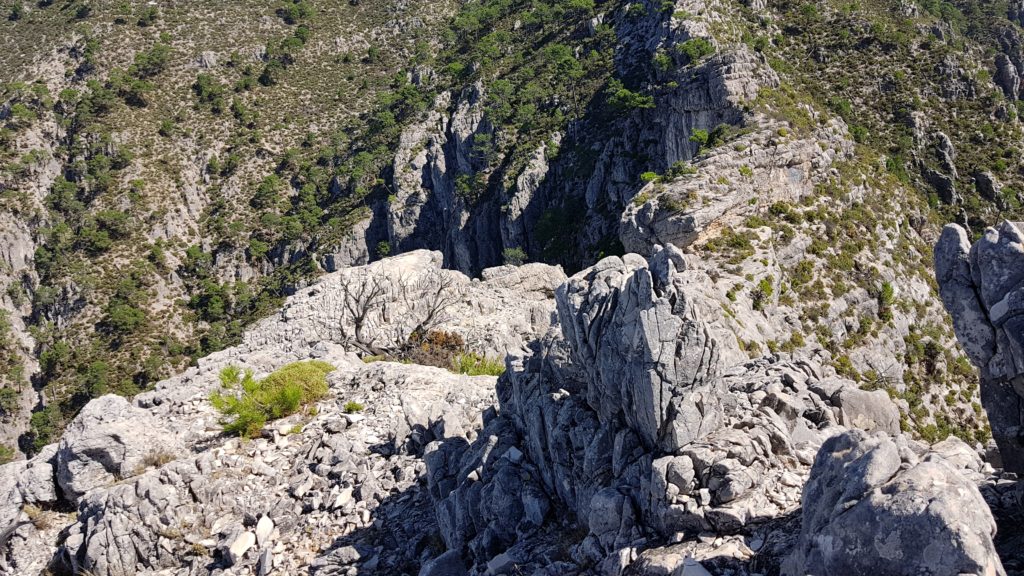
{"x": 618, "y": 441}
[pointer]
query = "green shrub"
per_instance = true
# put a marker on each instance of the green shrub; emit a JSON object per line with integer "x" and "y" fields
{"x": 661, "y": 61}
{"x": 700, "y": 138}
{"x": 296, "y": 11}
{"x": 351, "y": 407}
{"x": 149, "y": 63}
{"x": 622, "y": 98}
{"x": 124, "y": 318}
{"x": 844, "y": 367}
{"x": 636, "y": 10}
{"x": 696, "y": 48}
{"x": 268, "y": 193}
{"x": 514, "y": 256}
{"x": 763, "y": 293}
{"x": 738, "y": 244}
{"x": 649, "y": 177}
{"x": 148, "y": 16}
{"x": 803, "y": 273}
{"x": 209, "y": 91}
{"x": 886, "y": 295}
{"x": 477, "y": 365}
{"x": 8, "y": 400}
{"x": 679, "y": 169}
{"x": 7, "y": 454}
{"x": 249, "y": 403}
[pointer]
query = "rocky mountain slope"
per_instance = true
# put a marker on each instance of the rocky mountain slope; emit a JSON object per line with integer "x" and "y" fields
{"x": 619, "y": 440}
{"x": 750, "y": 367}
{"x": 171, "y": 171}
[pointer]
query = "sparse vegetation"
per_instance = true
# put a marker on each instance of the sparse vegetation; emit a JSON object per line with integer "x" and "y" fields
{"x": 696, "y": 48}
{"x": 514, "y": 256}
{"x": 477, "y": 365}
{"x": 248, "y": 404}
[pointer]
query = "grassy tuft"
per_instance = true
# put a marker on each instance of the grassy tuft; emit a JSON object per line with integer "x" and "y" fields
{"x": 477, "y": 365}
{"x": 248, "y": 403}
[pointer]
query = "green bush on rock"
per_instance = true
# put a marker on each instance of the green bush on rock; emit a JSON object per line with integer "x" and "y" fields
{"x": 476, "y": 365}
{"x": 249, "y": 403}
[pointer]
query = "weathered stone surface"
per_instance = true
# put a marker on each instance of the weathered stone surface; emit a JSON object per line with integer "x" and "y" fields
{"x": 646, "y": 354}
{"x": 377, "y": 306}
{"x": 868, "y": 411}
{"x": 621, "y": 441}
{"x": 982, "y": 287}
{"x": 448, "y": 564}
{"x": 1007, "y": 77}
{"x": 865, "y": 511}
{"x": 571, "y": 424}
{"x": 110, "y": 439}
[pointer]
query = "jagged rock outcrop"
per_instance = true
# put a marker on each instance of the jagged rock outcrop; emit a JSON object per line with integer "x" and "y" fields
{"x": 756, "y": 169}
{"x": 438, "y": 201}
{"x": 982, "y": 287}
{"x": 313, "y": 486}
{"x": 604, "y": 421}
{"x": 872, "y": 505}
{"x": 110, "y": 439}
{"x": 1007, "y": 77}
{"x": 647, "y": 357}
{"x": 427, "y": 210}
{"x": 378, "y": 306}
{"x": 28, "y": 482}
{"x": 157, "y": 486}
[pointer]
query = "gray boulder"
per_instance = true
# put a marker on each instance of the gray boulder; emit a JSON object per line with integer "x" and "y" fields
{"x": 132, "y": 526}
{"x": 868, "y": 411}
{"x": 110, "y": 440}
{"x": 866, "y": 511}
{"x": 27, "y": 482}
{"x": 982, "y": 287}
{"x": 448, "y": 564}
{"x": 1007, "y": 77}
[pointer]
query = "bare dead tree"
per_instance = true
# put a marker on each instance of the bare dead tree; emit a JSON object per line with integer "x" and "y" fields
{"x": 360, "y": 297}
{"x": 408, "y": 307}
{"x": 436, "y": 293}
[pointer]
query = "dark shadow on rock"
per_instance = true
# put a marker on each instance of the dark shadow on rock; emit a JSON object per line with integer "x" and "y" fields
{"x": 771, "y": 539}
{"x": 1006, "y": 499}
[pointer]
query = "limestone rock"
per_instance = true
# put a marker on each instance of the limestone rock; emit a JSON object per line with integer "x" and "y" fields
{"x": 27, "y": 482}
{"x": 865, "y": 513}
{"x": 982, "y": 287}
{"x": 240, "y": 545}
{"x": 109, "y": 440}
{"x": 647, "y": 356}
{"x": 869, "y": 411}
